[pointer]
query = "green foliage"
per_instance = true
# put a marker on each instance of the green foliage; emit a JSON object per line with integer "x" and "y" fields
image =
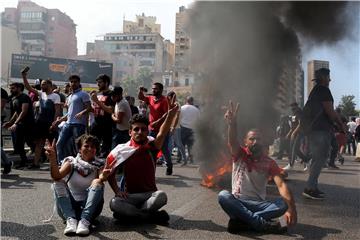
{"x": 347, "y": 105}
{"x": 145, "y": 77}
{"x": 131, "y": 84}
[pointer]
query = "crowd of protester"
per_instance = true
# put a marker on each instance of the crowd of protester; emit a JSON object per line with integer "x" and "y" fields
{"x": 88, "y": 138}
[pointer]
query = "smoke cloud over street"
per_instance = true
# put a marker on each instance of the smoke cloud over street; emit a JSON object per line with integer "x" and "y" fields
{"x": 249, "y": 52}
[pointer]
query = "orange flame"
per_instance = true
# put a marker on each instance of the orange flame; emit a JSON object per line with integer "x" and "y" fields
{"x": 210, "y": 179}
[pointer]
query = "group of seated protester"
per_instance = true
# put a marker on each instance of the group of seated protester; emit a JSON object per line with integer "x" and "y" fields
{"x": 79, "y": 182}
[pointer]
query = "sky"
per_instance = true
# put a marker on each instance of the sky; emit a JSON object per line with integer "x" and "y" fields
{"x": 94, "y": 18}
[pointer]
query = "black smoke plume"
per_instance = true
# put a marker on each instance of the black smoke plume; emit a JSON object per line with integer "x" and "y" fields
{"x": 250, "y": 52}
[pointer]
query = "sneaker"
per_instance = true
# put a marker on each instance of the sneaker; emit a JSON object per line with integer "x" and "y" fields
{"x": 169, "y": 171}
{"x": 236, "y": 226}
{"x": 332, "y": 167}
{"x": 288, "y": 167}
{"x": 319, "y": 192}
{"x": 71, "y": 225}
{"x": 341, "y": 160}
{"x": 274, "y": 227}
{"x": 7, "y": 168}
{"x": 306, "y": 168}
{"x": 311, "y": 194}
{"x": 83, "y": 227}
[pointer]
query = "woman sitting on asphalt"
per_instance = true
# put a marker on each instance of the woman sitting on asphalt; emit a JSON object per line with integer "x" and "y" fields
{"x": 78, "y": 185}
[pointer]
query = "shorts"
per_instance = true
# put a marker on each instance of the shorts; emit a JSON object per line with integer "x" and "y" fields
{"x": 341, "y": 139}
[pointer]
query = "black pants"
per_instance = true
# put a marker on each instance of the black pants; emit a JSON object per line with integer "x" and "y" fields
{"x": 187, "y": 138}
{"x": 23, "y": 134}
{"x": 104, "y": 133}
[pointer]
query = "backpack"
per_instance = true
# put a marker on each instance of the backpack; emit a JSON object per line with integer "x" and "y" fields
{"x": 310, "y": 113}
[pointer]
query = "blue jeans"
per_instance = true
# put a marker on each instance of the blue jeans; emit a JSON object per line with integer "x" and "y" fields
{"x": 319, "y": 142}
{"x": 256, "y": 213}
{"x": 88, "y": 209}
{"x": 65, "y": 145}
{"x": 165, "y": 149}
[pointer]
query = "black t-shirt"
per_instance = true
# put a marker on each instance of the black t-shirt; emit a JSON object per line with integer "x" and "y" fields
{"x": 322, "y": 121}
{"x": 17, "y": 103}
{"x": 134, "y": 110}
{"x": 100, "y": 116}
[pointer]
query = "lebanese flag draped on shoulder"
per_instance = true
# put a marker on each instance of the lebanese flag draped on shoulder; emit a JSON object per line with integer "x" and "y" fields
{"x": 122, "y": 152}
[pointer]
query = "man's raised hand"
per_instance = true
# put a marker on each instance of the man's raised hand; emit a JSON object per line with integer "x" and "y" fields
{"x": 231, "y": 112}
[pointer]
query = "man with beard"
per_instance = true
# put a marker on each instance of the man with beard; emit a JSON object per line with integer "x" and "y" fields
{"x": 21, "y": 122}
{"x": 48, "y": 110}
{"x": 246, "y": 204}
{"x": 158, "y": 105}
{"x": 103, "y": 108}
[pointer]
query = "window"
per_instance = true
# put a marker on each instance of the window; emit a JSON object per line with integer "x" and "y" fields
{"x": 186, "y": 82}
{"x": 167, "y": 82}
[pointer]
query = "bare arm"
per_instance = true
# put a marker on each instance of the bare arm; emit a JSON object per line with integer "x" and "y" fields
{"x": 58, "y": 109}
{"x": 24, "y": 111}
{"x": 56, "y": 173}
{"x": 118, "y": 117}
{"x": 108, "y": 109}
{"x": 27, "y": 85}
{"x": 165, "y": 127}
{"x": 141, "y": 95}
{"x": 87, "y": 109}
{"x": 291, "y": 214}
{"x": 329, "y": 110}
{"x": 230, "y": 116}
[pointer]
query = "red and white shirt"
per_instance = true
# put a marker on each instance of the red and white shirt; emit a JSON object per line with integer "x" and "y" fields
{"x": 250, "y": 176}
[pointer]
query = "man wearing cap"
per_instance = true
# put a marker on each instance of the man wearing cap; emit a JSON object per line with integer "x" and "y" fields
{"x": 318, "y": 116}
{"x": 102, "y": 107}
{"x": 121, "y": 117}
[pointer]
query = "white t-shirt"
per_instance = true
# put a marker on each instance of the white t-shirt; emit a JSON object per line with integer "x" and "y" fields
{"x": 52, "y": 96}
{"x": 352, "y": 126}
{"x": 123, "y": 106}
{"x": 189, "y": 115}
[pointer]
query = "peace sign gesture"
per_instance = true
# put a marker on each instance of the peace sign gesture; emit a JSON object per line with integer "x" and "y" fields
{"x": 231, "y": 112}
{"x": 173, "y": 105}
{"x": 50, "y": 150}
{"x": 106, "y": 171}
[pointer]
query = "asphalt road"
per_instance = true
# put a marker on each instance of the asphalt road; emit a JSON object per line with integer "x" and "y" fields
{"x": 26, "y": 200}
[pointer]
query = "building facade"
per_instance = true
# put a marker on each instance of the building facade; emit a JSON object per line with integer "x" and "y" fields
{"x": 143, "y": 24}
{"x": 43, "y": 32}
{"x": 312, "y": 66}
{"x": 10, "y": 43}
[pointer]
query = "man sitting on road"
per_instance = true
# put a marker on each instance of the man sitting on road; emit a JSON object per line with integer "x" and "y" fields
{"x": 140, "y": 200}
{"x": 246, "y": 205}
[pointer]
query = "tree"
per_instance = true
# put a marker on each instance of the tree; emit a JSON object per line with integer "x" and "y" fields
{"x": 145, "y": 77}
{"x": 347, "y": 105}
{"x": 130, "y": 86}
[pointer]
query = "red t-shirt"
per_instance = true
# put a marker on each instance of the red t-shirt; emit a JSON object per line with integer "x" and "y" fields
{"x": 139, "y": 169}
{"x": 157, "y": 109}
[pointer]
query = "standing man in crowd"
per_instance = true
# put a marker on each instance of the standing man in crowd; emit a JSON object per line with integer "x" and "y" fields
{"x": 103, "y": 108}
{"x": 318, "y": 118}
{"x": 76, "y": 119}
{"x": 21, "y": 122}
{"x": 131, "y": 101}
{"x": 189, "y": 115}
{"x": 49, "y": 107}
{"x": 5, "y": 162}
{"x": 158, "y": 105}
{"x": 121, "y": 117}
{"x": 351, "y": 136}
{"x": 246, "y": 204}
